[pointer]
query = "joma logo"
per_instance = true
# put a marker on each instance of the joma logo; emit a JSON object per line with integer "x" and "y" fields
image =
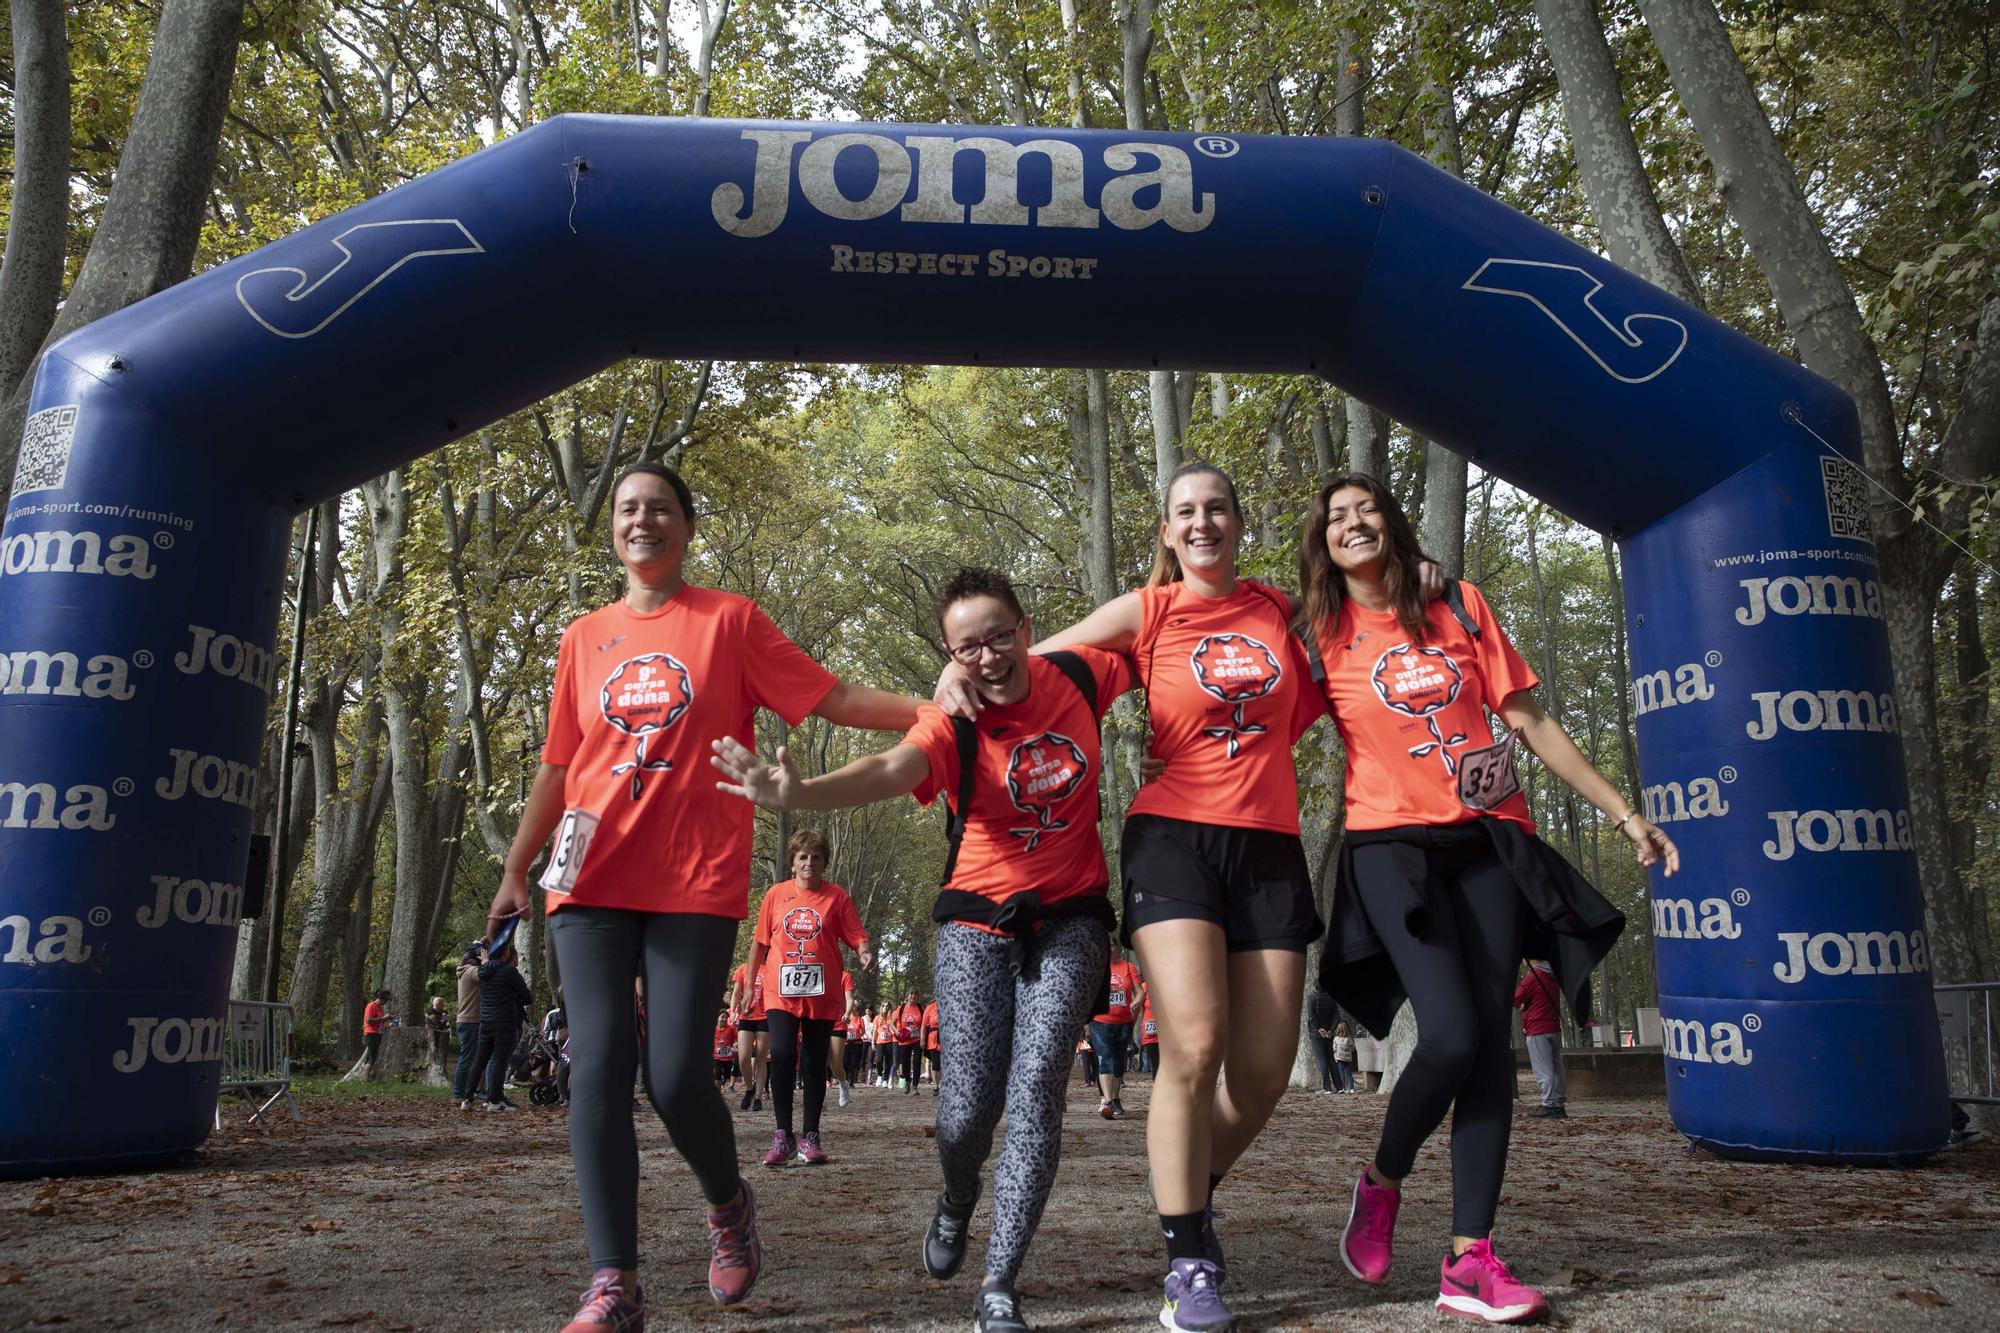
{"x": 1814, "y": 595}
{"x": 1686, "y": 684}
{"x": 1670, "y": 803}
{"x": 59, "y": 552}
{"x": 1863, "y": 953}
{"x": 1712, "y": 1044}
{"x": 34, "y": 805}
{"x": 1683, "y": 919}
{"x": 1837, "y": 831}
{"x": 1821, "y": 710}
{"x": 62, "y": 675}
{"x": 929, "y": 157}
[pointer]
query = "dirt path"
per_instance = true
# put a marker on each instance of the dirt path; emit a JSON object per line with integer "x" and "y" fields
{"x": 397, "y": 1213}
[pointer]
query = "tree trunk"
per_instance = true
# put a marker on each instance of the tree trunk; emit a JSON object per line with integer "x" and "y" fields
{"x": 354, "y": 982}
{"x": 145, "y": 240}
{"x": 38, "y": 220}
{"x": 1607, "y": 157}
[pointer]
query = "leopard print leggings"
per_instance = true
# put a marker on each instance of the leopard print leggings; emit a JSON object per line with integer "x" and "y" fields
{"x": 1008, "y": 1044}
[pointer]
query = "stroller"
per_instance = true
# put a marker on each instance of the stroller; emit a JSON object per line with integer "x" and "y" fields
{"x": 541, "y": 1060}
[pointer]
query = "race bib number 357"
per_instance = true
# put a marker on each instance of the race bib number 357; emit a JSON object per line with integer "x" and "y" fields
{"x": 801, "y": 980}
{"x": 1487, "y": 776}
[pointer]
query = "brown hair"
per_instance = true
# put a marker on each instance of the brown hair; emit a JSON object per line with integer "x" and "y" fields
{"x": 807, "y": 840}
{"x": 1167, "y": 565}
{"x": 1322, "y": 588}
{"x": 970, "y": 582}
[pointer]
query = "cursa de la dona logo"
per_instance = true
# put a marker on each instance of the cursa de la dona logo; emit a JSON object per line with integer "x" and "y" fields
{"x": 1043, "y": 772}
{"x": 1238, "y": 670}
{"x": 1421, "y": 683}
{"x": 642, "y": 697}
{"x": 801, "y": 925}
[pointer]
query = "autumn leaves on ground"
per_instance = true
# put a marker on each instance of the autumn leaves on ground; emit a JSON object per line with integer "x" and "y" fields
{"x": 396, "y": 1212}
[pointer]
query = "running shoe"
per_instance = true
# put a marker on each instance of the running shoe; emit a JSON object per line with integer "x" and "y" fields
{"x": 608, "y": 1307}
{"x": 756, "y": 1103}
{"x": 944, "y": 1242}
{"x": 782, "y": 1148}
{"x": 1476, "y": 1285}
{"x": 1117, "y": 1109}
{"x": 748, "y": 1095}
{"x": 736, "y": 1256}
{"x": 1193, "y": 1305}
{"x": 844, "y": 1091}
{"x": 1367, "y": 1245}
{"x": 809, "y": 1150}
{"x": 1104, "y": 1109}
{"x": 997, "y": 1310}
{"x": 502, "y": 1105}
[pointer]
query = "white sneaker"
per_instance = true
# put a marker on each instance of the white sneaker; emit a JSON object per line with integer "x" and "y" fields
{"x": 843, "y": 1092}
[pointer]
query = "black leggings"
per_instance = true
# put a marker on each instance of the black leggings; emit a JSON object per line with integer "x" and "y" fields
{"x": 907, "y": 1063}
{"x": 798, "y": 1048}
{"x": 684, "y": 959}
{"x": 1459, "y": 973}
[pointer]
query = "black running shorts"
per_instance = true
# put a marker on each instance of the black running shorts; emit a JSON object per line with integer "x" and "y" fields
{"x": 754, "y": 1025}
{"x": 1251, "y": 882}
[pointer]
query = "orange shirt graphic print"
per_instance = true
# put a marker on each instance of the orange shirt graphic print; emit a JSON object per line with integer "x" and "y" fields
{"x": 642, "y": 697}
{"x": 1043, "y": 772}
{"x": 1421, "y": 683}
{"x": 1238, "y": 670}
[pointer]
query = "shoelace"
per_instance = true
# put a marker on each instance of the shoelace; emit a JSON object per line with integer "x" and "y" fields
{"x": 730, "y": 1243}
{"x": 949, "y": 1227}
{"x": 1202, "y": 1278}
{"x": 998, "y": 1305}
{"x": 602, "y": 1300}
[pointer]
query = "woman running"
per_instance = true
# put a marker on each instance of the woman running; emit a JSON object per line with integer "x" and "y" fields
{"x": 907, "y": 1025}
{"x": 836, "y": 1059}
{"x": 1111, "y": 1034}
{"x": 1442, "y": 881}
{"x": 1021, "y": 948}
{"x": 933, "y": 1052}
{"x": 800, "y": 927}
{"x": 725, "y": 1048}
{"x": 650, "y": 870}
{"x": 753, "y": 1035}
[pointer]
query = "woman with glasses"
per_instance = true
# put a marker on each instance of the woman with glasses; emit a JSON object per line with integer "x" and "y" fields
{"x": 650, "y": 871}
{"x": 1022, "y": 948}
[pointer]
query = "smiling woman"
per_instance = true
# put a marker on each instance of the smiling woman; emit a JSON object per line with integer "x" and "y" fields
{"x": 650, "y": 868}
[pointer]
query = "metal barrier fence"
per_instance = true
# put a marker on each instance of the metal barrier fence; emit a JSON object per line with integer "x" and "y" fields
{"x": 1965, "y": 1013}
{"x": 257, "y": 1055}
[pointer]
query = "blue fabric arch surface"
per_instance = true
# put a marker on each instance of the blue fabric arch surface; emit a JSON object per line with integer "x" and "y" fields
{"x": 170, "y": 444}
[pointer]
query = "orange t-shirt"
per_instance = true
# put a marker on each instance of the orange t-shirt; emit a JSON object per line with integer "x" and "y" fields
{"x": 906, "y": 1023}
{"x": 1124, "y": 990}
{"x": 930, "y": 1026}
{"x": 374, "y": 1017}
{"x": 754, "y": 986}
{"x": 725, "y": 1040}
{"x": 1228, "y": 691}
{"x": 1033, "y": 821}
{"x": 1414, "y": 716}
{"x": 1149, "y": 1026}
{"x": 801, "y": 930}
{"x": 638, "y": 699}
{"x": 885, "y": 1030}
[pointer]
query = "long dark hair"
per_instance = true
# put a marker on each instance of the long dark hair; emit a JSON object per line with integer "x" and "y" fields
{"x": 1322, "y": 588}
{"x": 1167, "y": 565}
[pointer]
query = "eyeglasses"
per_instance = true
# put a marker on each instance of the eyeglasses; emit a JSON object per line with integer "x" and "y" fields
{"x": 1002, "y": 642}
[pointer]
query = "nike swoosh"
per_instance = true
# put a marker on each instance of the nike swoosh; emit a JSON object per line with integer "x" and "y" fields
{"x": 1470, "y": 1288}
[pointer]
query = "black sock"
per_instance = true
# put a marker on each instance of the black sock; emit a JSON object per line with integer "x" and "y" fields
{"x": 1183, "y": 1233}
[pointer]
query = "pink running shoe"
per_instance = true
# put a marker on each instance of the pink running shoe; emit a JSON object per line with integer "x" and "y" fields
{"x": 782, "y": 1148}
{"x": 1368, "y": 1245}
{"x": 736, "y": 1256}
{"x": 609, "y": 1308}
{"x": 809, "y": 1150}
{"x": 1476, "y": 1285}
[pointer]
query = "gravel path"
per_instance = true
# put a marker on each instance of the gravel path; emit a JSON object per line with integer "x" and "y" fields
{"x": 402, "y": 1213}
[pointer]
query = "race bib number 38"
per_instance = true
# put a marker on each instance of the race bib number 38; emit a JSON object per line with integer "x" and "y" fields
{"x": 571, "y": 845}
{"x": 800, "y": 980}
{"x": 1486, "y": 777}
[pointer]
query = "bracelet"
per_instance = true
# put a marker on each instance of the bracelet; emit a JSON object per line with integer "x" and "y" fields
{"x": 1620, "y": 825}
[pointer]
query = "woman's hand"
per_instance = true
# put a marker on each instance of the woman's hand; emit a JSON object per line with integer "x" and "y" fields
{"x": 1150, "y": 768}
{"x": 509, "y": 901}
{"x": 1650, "y": 844}
{"x": 867, "y": 957}
{"x": 955, "y": 695}
{"x": 773, "y": 786}
{"x": 1430, "y": 579}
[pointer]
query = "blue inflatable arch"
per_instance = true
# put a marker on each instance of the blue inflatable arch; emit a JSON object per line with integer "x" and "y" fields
{"x": 171, "y": 444}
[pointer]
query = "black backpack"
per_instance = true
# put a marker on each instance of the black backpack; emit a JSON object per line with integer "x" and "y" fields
{"x": 967, "y": 738}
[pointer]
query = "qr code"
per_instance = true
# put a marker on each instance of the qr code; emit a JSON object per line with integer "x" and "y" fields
{"x": 45, "y": 441}
{"x": 1846, "y": 498}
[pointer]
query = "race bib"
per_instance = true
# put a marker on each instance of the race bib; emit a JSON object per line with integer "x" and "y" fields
{"x": 1152, "y": 1027}
{"x": 1117, "y": 997}
{"x": 572, "y": 844}
{"x": 801, "y": 980}
{"x": 1486, "y": 777}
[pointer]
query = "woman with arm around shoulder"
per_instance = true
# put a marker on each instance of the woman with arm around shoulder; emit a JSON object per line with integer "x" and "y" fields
{"x": 650, "y": 869}
{"x": 1443, "y": 883}
{"x": 1023, "y": 911}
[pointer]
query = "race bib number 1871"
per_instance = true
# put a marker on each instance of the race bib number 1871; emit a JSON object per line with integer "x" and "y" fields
{"x": 799, "y": 980}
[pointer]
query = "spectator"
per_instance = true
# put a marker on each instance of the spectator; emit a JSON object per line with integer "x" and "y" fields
{"x": 1535, "y": 997}
{"x": 464, "y": 1080}
{"x": 1321, "y": 1014}
{"x": 373, "y": 1019}
{"x": 1343, "y": 1058}
{"x": 503, "y": 1000}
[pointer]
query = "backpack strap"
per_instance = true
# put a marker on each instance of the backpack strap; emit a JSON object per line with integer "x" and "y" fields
{"x": 1454, "y": 598}
{"x": 966, "y": 737}
{"x": 1306, "y": 641}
